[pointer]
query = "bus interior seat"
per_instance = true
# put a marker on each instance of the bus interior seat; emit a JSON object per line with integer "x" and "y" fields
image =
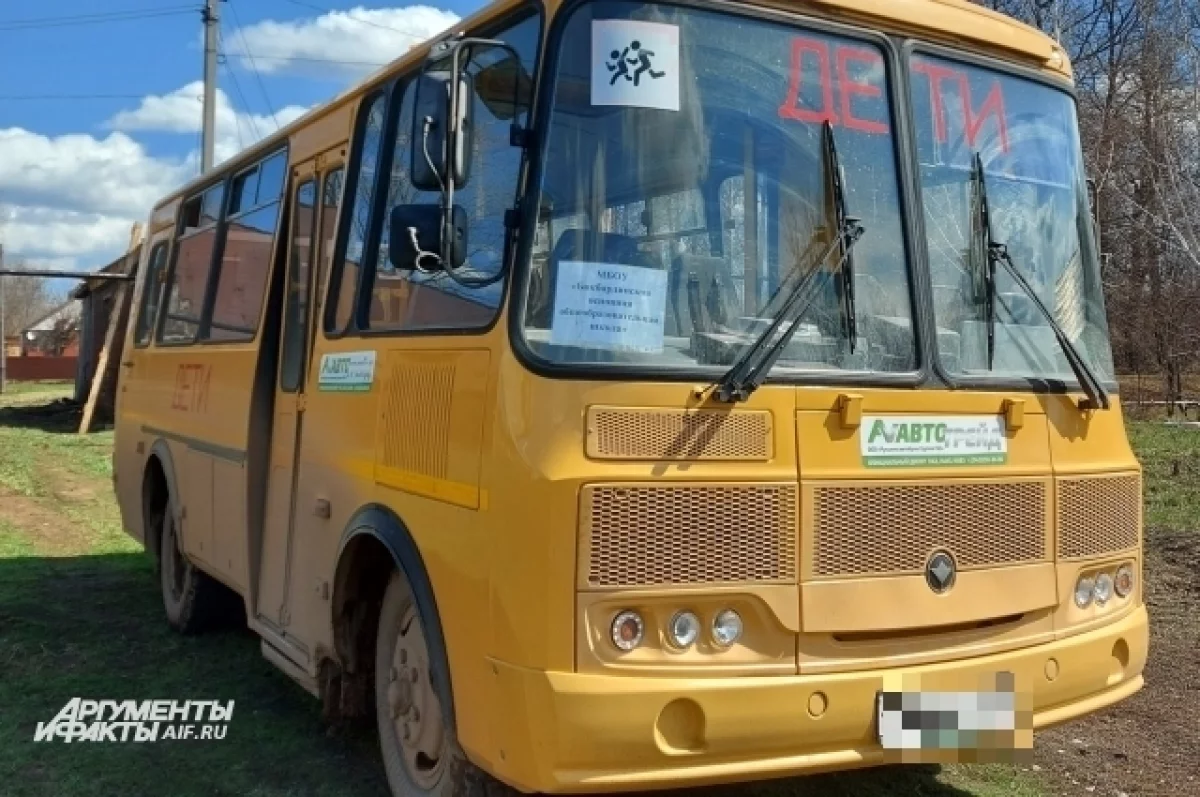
{"x": 715, "y": 296}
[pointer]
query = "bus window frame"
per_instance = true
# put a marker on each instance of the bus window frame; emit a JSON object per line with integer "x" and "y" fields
{"x": 214, "y": 274}
{"x": 910, "y": 48}
{"x": 920, "y": 292}
{"x": 345, "y": 214}
{"x": 144, "y": 299}
{"x": 226, "y": 179}
{"x": 297, "y": 182}
{"x": 176, "y": 239}
{"x": 394, "y": 89}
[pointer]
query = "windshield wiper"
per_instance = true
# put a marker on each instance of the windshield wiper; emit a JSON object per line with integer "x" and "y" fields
{"x": 997, "y": 254}
{"x": 752, "y": 364}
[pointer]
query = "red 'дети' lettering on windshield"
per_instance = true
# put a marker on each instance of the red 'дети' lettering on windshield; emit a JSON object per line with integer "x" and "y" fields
{"x": 848, "y": 89}
{"x": 791, "y": 108}
{"x": 993, "y": 104}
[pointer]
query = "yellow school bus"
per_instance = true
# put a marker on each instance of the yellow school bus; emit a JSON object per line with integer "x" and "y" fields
{"x": 613, "y": 396}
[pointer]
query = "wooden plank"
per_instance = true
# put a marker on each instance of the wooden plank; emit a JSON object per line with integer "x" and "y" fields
{"x": 101, "y": 370}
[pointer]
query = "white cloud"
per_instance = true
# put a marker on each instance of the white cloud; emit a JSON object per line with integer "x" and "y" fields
{"x": 50, "y": 236}
{"x": 360, "y": 39}
{"x": 73, "y": 198}
{"x": 180, "y": 112}
{"x": 111, "y": 175}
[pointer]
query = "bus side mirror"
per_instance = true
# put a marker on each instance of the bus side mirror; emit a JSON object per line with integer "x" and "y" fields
{"x": 416, "y": 239}
{"x": 441, "y": 150}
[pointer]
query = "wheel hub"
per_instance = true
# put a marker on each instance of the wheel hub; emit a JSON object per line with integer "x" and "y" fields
{"x": 414, "y": 706}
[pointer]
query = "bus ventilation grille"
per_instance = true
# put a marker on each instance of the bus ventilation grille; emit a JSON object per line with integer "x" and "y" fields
{"x": 415, "y": 423}
{"x": 618, "y": 433}
{"x": 1098, "y": 515}
{"x": 639, "y": 536}
{"x": 893, "y": 529}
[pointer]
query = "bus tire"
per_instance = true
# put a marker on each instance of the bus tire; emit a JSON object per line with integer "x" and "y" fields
{"x": 192, "y": 599}
{"x": 421, "y": 755}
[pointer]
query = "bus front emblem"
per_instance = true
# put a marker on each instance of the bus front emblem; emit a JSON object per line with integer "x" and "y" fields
{"x": 940, "y": 571}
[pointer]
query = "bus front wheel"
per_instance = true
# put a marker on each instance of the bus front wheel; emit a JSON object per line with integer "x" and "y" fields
{"x": 420, "y": 753}
{"x": 191, "y": 598}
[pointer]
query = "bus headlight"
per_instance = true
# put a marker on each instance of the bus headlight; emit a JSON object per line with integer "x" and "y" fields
{"x": 628, "y": 630}
{"x": 1103, "y": 589}
{"x": 727, "y": 628}
{"x": 1083, "y": 591}
{"x": 1124, "y": 580}
{"x": 683, "y": 630}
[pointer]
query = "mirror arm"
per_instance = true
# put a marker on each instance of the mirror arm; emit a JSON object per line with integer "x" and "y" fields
{"x": 519, "y": 136}
{"x": 454, "y": 46}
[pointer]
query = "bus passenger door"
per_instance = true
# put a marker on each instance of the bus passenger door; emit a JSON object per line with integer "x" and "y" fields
{"x": 287, "y": 427}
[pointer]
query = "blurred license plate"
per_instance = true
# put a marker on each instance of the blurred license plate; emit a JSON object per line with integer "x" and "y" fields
{"x": 947, "y": 720}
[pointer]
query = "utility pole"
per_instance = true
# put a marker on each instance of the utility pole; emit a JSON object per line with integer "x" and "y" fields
{"x": 3, "y": 337}
{"x": 208, "y": 132}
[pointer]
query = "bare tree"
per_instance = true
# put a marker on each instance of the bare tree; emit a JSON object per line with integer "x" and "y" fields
{"x": 26, "y": 300}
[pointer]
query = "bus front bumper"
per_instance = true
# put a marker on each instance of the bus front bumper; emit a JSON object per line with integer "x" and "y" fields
{"x": 568, "y": 732}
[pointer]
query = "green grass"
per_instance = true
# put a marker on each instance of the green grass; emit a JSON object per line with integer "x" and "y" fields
{"x": 37, "y": 386}
{"x": 1170, "y": 456}
{"x": 80, "y": 616}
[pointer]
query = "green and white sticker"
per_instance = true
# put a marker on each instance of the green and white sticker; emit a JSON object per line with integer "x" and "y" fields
{"x": 348, "y": 372}
{"x": 920, "y": 441}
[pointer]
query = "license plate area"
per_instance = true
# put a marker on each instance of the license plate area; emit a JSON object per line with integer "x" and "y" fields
{"x": 924, "y": 722}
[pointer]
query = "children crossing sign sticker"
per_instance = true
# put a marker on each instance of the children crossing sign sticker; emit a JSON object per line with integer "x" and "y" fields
{"x": 635, "y": 64}
{"x": 915, "y": 441}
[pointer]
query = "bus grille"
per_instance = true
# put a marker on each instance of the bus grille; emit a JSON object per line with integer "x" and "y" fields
{"x": 415, "y": 426}
{"x": 637, "y": 536}
{"x": 893, "y": 529}
{"x": 615, "y": 433}
{"x": 1098, "y": 515}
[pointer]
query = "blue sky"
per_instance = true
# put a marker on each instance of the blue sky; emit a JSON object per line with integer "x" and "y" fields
{"x": 99, "y": 119}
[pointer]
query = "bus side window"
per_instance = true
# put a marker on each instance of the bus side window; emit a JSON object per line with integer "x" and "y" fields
{"x": 151, "y": 294}
{"x": 331, "y": 198}
{"x": 249, "y": 237}
{"x": 295, "y": 305}
{"x": 409, "y": 300}
{"x": 361, "y": 183}
{"x": 188, "y": 280}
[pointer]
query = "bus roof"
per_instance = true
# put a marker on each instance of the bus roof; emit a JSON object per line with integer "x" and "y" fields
{"x": 960, "y": 23}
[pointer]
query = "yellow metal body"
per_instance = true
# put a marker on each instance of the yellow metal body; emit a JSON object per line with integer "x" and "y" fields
{"x": 505, "y": 480}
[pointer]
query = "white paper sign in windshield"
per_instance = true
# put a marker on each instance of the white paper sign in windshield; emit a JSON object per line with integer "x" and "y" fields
{"x": 635, "y": 64}
{"x": 608, "y": 306}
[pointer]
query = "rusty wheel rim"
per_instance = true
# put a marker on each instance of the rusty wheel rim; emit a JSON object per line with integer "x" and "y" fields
{"x": 415, "y": 709}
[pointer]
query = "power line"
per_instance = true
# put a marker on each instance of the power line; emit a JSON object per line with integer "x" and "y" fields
{"x": 237, "y": 123}
{"x": 237, "y": 86}
{"x": 94, "y": 19}
{"x": 237, "y": 24}
{"x": 27, "y": 97}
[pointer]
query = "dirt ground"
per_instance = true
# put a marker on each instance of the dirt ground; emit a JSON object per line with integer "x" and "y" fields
{"x": 1150, "y": 744}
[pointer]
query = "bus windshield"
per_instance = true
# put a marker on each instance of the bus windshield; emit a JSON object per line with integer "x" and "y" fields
{"x": 1027, "y": 137}
{"x": 683, "y": 185}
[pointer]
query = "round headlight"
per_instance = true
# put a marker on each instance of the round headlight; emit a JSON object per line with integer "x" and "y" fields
{"x": 683, "y": 630}
{"x": 727, "y": 628}
{"x": 1124, "y": 580}
{"x": 627, "y": 630}
{"x": 1083, "y": 591}
{"x": 1103, "y": 589}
